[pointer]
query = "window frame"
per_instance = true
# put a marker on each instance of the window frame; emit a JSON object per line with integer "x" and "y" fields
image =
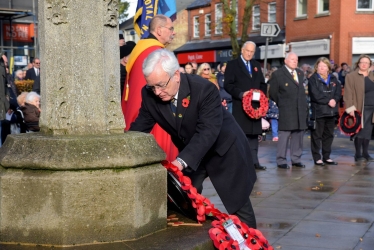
{"x": 298, "y": 4}
{"x": 274, "y": 12}
{"x": 320, "y": 6}
{"x": 196, "y": 27}
{"x": 365, "y": 9}
{"x": 208, "y": 26}
{"x": 218, "y": 23}
{"x": 256, "y": 16}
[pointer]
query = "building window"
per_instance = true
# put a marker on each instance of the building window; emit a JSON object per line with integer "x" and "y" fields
{"x": 256, "y": 17}
{"x": 302, "y": 7}
{"x": 196, "y": 31}
{"x": 207, "y": 25}
{"x": 218, "y": 19}
{"x": 272, "y": 13}
{"x": 364, "y": 5}
{"x": 323, "y": 6}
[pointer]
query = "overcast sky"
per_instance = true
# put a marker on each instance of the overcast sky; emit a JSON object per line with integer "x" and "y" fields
{"x": 132, "y": 8}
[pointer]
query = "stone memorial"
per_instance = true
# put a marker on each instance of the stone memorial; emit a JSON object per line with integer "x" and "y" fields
{"x": 81, "y": 180}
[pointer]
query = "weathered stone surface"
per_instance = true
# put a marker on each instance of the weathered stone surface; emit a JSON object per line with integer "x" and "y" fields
{"x": 81, "y": 207}
{"x": 79, "y": 52}
{"x": 40, "y": 151}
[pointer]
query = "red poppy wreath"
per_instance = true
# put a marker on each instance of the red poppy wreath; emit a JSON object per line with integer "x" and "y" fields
{"x": 255, "y": 113}
{"x": 253, "y": 238}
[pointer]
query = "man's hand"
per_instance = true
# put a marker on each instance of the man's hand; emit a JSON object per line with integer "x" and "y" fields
{"x": 332, "y": 103}
{"x": 245, "y": 93}
{"x": 176, "y": 163}
{"x": 224, "y": 103}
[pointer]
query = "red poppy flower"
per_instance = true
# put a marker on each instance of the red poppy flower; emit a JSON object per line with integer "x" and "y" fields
{"x": 260, "y": 111}
{"x": 221, "y": 239}
{"x": 185, "y": 102}
{"x": 255, "y": 69}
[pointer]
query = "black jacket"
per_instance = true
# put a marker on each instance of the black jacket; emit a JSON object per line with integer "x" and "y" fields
{"x": 321, "y": 94}
{"x": 206, "y": 135}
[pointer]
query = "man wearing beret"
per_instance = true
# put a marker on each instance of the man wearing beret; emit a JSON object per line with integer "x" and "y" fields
{"x": 124, "y": 52}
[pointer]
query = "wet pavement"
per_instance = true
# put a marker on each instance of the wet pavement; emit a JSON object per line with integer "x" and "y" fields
{"x": 317, "y": 207}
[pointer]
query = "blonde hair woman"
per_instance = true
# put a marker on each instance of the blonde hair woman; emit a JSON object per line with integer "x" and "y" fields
{"x": 205, "y": 71}
{"x": 325, "y": 92}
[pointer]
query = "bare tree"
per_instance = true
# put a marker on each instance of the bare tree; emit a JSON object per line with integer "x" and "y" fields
{"x": 122, "y": 9}
{"x": 229, "y": 22}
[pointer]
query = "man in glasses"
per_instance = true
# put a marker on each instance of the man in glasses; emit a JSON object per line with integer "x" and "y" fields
{"x": 161, "y": 34}
{"x": 243, "y": 74}
{"x": 34, "y": 74}
{"x": 209, "y": 140}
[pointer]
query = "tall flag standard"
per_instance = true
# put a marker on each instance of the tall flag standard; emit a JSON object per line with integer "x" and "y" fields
{"x": 146, "y": 9}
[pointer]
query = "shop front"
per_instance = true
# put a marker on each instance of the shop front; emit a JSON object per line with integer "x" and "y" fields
{"x": 309, "y": 51}
{"x": 362, "y": 45}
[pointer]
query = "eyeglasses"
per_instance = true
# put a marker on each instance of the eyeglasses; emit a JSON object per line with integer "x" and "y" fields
{"x": 207, "y": 69}
{"x": 363, "y": 63}
{"x": 37, "y": 63}
{"x": 171, "y": 28}
{"x": 153, "y": 88}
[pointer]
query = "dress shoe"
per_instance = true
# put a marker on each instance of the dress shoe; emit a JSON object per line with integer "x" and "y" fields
{"x": 369, "y": 158}
{"x": 319, "y": 163}
{"x": 359, "y": 158}
{"x": 330, "y": 162}
{"x": 284, "y": 166}
{"x": 299, "y": 165}
{"x": 259, "y": 167}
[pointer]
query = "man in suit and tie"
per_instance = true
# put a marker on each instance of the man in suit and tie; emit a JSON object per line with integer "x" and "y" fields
{"x": 34, "y": 74}
{"x": 287, "y": 90}
{"x": 209, "y": 140}
{"x": 241, "y": 75}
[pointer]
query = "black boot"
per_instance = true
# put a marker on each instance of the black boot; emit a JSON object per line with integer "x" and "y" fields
{"x": 358, "y": 146}
{"x": 365, "y": 150}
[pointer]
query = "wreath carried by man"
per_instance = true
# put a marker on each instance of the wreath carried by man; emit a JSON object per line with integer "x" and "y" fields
{"x": 255, "y": 113}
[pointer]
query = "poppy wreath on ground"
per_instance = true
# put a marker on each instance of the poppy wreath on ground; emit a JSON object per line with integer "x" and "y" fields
{"x": 344, "y": 123}
{"x": 221, "y": 239}
{"x": 255, "y": 113}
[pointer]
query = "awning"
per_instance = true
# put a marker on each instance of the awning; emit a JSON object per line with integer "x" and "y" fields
{"x": 199, "y": 45}
{"x": 11, "y": 14}
{"x": 311, "y": 48}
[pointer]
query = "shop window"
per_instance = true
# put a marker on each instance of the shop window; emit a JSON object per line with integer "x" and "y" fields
{"x": 302, "y": 7}
{"x": 218, "y": 19}
{"x": 323, "y": 6}
{"x": 196, "y": 30}
{"x": 272, "y": 18}
{"x": 364, "y": 5}
{"x": 256, "y": 17}
{"x": 207, "y": 25}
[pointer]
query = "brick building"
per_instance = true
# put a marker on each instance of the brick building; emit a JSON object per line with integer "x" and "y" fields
{"x": 339, "y": 30}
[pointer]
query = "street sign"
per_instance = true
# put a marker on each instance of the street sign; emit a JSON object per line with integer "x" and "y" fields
{"x": 270, "y": 29}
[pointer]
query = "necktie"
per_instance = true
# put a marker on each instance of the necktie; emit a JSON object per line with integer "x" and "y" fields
{"x": 294, "y": 75}
{"x": 37, "y": 72}
{"x": 173, "y": 106}
{"x": 249, "y": 68}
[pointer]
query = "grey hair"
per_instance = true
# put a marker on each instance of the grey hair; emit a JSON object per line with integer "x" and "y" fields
{"x": 290, "y": 53}
{"x": 165, "y": 58}
{"x": 20, "y": 71}
{"x": 31, "y": 97}
{"x": 248, "y": 42}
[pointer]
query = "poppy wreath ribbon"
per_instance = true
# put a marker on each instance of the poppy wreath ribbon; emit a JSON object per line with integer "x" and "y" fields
{"x": 255, "y": 113}
{"x": 221, "y": 239}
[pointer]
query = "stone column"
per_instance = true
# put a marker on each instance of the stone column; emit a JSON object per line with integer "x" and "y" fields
{"x": 80, "y": 180}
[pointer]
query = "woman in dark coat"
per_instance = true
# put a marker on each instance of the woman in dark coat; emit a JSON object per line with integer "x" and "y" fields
{"x": 325, "y": 92}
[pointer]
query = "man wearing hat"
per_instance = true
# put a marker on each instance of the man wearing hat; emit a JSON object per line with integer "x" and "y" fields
{"x": 124, "y": 52}
{"x": 121, "y": 40}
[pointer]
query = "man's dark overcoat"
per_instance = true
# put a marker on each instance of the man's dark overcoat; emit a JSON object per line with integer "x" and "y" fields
{"x": 31, "y": 75}
{"x": 237, "y": 81}
{"x": 206, "y": 135}
{"x": 290, "y": 98}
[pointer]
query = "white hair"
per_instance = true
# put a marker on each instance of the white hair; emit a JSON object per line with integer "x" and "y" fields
{"x": 290, "y": 53}
{"x": 31, "y": 97}
{"x": 249, "y": 42}
{"x": 165, "y": 58}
